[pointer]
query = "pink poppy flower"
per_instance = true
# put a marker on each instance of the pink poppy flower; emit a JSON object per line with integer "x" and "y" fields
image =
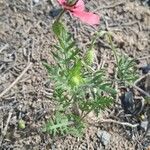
{"x": 78, "y": 10}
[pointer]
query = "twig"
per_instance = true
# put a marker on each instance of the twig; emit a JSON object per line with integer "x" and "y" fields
{"x": 6, "y": 127}
{"x": 8, "y": 120}
{"x": 47, "y": 93}
{"x": 17, "y": 79}
{"x": 52, "y": 3}
{"x": 141, "y": 78}
{"x": 102, "y": 63}
{"x": 130, "y": 23}
{"x": 110, "y": 6}
{"x": 139, "y": 89}
{"x": 31, "y": 6}
{"x": 148, "y": 126}
{"x": 104, "y": 44}
{"x": 118, "y": 122}
{"x": 145, "y": 57}
{"x": 4, "y": 47}
{"x": 137, "y": 111}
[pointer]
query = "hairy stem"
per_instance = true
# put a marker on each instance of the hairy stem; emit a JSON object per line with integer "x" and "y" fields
{"x": 113, "y": 49}
{"x": 60, "y": 15}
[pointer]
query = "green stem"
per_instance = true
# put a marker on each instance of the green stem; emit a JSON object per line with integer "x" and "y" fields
{"x": 72, "y": 97}
{"x": 98, "y": 34}
{"x": 60, "y": 15}
{"x": 72, "y": 2}
{"x": 85, "y": 115}
{"x": 88, "y": 67}
{"x": 93, "y": 41}
{"x": 113, "y": 49}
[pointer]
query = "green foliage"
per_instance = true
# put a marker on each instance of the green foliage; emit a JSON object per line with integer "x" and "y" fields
{"x": 75, "y": 82}
{"x": 64, "y": 124}
{"x": 58, "y": 29}
{"x": 126, "y": 71}
{"x": 99, "y": 103}
{"x": 147, "y": 100}
{"x": 58, "y": 125}
{"x": 89, "y": 57}
{"x": 125, "y": 66}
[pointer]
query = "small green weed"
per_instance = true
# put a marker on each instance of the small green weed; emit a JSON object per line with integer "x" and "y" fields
{"x": 78, "y": 88}
{"x": 75, "y": 84}
{"x": 125, "y": 66}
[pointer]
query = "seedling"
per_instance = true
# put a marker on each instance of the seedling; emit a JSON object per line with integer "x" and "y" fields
{"x": 77, "y": 87}
{"x": 125, "y": 66}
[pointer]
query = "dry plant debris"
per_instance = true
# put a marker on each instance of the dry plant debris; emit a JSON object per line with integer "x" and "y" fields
{"x": 26, "y": 38}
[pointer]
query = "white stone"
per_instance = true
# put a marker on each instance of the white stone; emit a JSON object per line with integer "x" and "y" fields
{"x": 36, "y": 1}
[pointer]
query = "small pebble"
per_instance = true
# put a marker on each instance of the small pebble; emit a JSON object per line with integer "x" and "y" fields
{"x": 146, "y": 2}
{"x": 127, "y": 102}
{"x": 104, "y": 137}
{"x": 138, "y": 16}
{"x": 36, "y": 1}
{"x": 145, "y": 69}
{"x": 144, "y": 125}
{"x": 54, "y": 12}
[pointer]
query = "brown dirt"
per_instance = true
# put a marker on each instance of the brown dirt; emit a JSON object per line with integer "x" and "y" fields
{"x": 26, "y": 36}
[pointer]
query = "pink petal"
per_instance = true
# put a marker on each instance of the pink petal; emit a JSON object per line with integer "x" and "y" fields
{"x": 61, "y": 2}
{"x": 79, "y": 6}
{"x": 87, "y": 17}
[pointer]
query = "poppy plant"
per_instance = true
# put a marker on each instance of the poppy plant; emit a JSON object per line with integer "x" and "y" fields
{"x": 78, "y": 10}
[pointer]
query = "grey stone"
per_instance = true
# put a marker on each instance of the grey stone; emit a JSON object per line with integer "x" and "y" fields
{"x": 36, "y": 1}
{"x": 104, "y": 137}
{"x": 144, "y": 125}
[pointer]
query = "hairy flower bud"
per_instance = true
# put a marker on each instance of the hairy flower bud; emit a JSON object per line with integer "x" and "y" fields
{"x": 21, "y": 124}
{"x": 76, "y": 80}
{"x": 89, "y": 57}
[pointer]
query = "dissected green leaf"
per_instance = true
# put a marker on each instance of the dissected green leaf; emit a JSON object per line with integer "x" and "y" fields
{"x": 58, "y": 29}
{"x": 73, "y": 79}
{"x": 126, "y": 70}
{"x": 70, "y": 46}
{"x": 89, "y": 57}
{"x": 100, "y": 103}
{"x": 57, "y": 126}
{"x": 64, "y": 124}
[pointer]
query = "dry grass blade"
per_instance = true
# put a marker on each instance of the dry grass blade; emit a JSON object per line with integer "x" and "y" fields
{"x": 6, "y": 127}
{"x": 118, "y": 122}
{"x": 17, "y": 79}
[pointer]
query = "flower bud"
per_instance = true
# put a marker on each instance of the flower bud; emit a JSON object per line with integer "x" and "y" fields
{"x": 89, "y": 57}
{"x": 21, "y": 124}
{"x": 76, "y": 80}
